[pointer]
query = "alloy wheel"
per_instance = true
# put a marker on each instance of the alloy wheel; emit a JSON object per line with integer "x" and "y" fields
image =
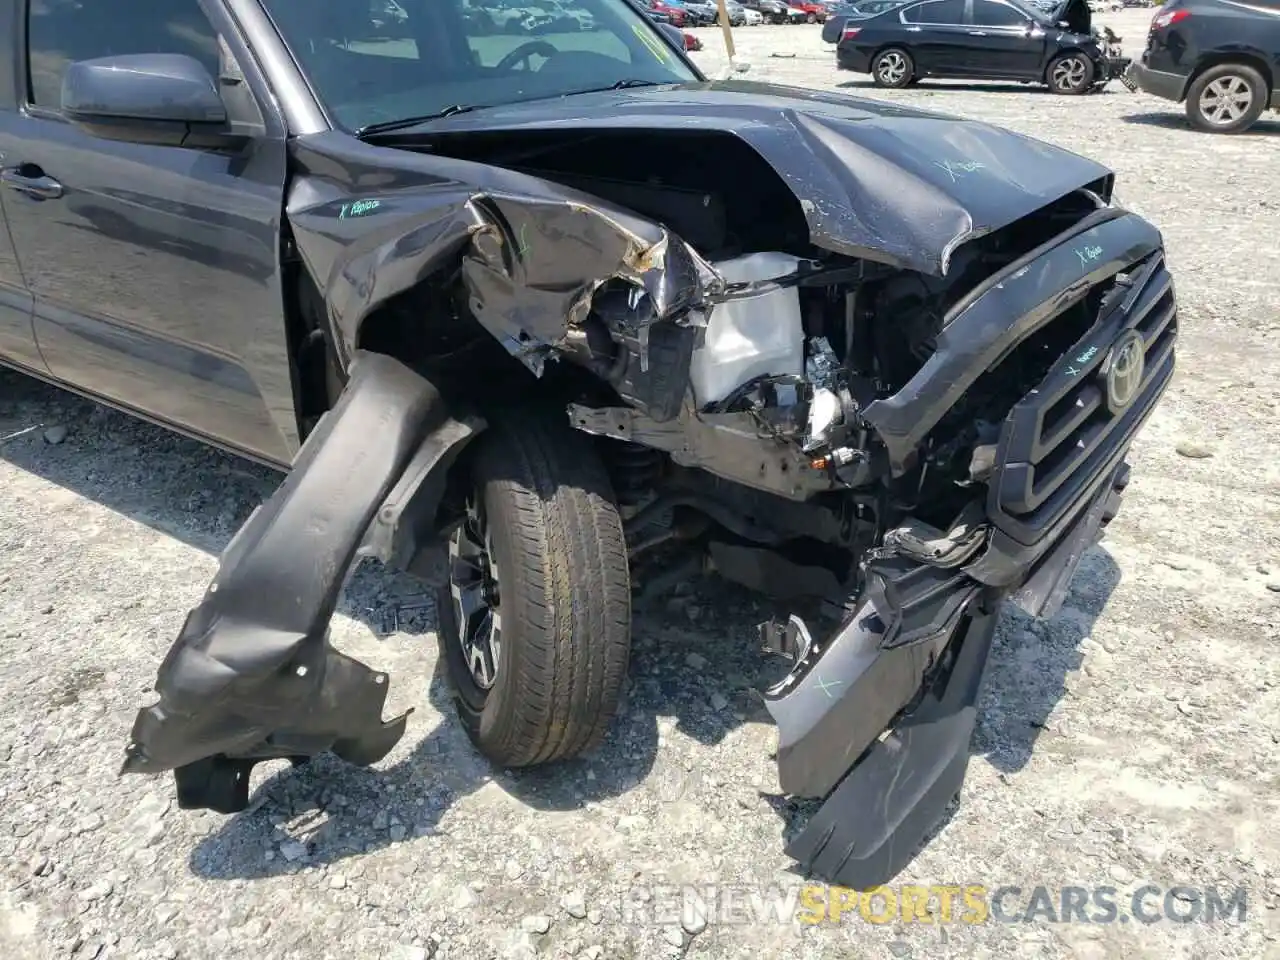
{"x": 892, "y": 68}
{"x": 473, "y": 589}
{"x": 1069, "y": 73}
{"x": 1225, "y": 100}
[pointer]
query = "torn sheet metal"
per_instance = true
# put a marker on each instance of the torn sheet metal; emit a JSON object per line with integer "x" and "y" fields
{"x": 532, "y": 253}
{"x": 874, "y": 180}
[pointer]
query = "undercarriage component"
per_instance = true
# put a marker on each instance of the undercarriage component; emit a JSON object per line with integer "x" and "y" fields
{"x": 251, "y": 675}
{"x": 729, "y": 445}
{"x": 769, "y": 572}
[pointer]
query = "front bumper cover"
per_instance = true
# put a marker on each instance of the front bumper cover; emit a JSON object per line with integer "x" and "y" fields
{"x": 1114, "y": 68}
{"x": 252, "y": 676}
{"x": 885, "y": 792}
{"x": 910, "y": 659}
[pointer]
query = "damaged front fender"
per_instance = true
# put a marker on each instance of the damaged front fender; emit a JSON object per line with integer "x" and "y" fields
{"x": 252, "y": 675}
{"x": 531, "y": 254}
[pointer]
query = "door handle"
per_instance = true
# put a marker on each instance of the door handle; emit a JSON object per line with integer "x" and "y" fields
{"x": 977, "y": 33}
{"x": 34, "y": 183}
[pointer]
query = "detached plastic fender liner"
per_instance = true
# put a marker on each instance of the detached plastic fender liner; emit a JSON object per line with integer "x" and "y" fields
{"x": 251, "y": 675}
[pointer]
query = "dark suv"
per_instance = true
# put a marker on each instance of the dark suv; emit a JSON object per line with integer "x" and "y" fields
{"x": 1221, "y": 57}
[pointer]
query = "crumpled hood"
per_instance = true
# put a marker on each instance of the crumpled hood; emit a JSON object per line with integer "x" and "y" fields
{"x": 874, "y": 180}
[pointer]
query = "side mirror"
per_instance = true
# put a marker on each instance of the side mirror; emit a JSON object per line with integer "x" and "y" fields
{"x": 157, "y": 98}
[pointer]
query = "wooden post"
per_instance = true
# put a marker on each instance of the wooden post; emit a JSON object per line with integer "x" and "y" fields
{"x": 728, "y": 33}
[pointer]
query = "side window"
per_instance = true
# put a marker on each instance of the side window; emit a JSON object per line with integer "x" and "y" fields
{"x": 935, "y": 11}
{"x": 60, "y": 32}
{"x": 988, "y": 13}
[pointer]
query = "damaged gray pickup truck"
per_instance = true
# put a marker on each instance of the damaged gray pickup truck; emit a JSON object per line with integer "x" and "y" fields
{"x": 526, "y": 316}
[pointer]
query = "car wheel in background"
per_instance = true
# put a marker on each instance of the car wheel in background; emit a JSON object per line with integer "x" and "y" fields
{"x": 1227, "y": 98}
{"x": 892, "y": 68}
{"x": 1070, "y": 74}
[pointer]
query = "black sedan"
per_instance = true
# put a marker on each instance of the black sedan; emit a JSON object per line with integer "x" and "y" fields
{"x": 980, "y": 40}
{"x": 841, "y": 13}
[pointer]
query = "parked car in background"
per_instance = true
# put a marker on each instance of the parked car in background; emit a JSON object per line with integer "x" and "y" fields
{"x": 676, "y": 16}
{"x": 980, "y": 40}
{"x": 701, "y": 13}
{"x": 810, "y": 12}
{"x": 689, "y": 18}
{"x": 841, "y": 12}
{"x": 708, "y": 12}
{"x": 1220, "y": 58}
{"x": 753, "y": 17}
{"x": 773, "y": 11}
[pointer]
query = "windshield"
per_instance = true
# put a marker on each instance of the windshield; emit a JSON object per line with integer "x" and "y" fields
{"x": 378, "y": 61}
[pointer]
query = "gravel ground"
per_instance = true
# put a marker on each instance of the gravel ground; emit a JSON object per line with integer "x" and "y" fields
{"x": 1130, "y": 739}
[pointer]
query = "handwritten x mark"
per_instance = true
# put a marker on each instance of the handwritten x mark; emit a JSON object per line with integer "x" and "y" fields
{"x": 827, "y": 686}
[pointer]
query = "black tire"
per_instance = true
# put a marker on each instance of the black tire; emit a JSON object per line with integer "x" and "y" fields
{"x": 1070, "y": 74}
{"x": 892, "y": 68}
{"x": 1226, "y": 78}
{"x": 563, "y": 595}
{"x": 811, "y": 18}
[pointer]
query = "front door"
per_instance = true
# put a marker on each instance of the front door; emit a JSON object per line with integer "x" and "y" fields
{"x": 17, "y": 342}
{"x": 936, "y": 30}
{"x": 154, "y": 269}
{"x": 1002, "y": 42}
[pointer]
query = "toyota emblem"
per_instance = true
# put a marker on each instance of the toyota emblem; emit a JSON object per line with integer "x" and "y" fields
{"x": 1123, "y": 370}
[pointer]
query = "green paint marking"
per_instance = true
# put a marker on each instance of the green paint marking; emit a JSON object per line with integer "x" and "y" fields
{"x": 358, "y": 209}
{"x": 651, "y": 43}
{"x": 1087, "y": 255}
{"x": 524, "y": 243}
{"x": 955, "y": 169}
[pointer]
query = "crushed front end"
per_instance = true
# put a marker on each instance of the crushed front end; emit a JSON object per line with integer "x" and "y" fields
{"x": 908, "y": 392}
{"x": 974, "y": 461}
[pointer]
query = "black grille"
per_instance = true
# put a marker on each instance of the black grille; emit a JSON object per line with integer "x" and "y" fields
{"x": 1062, "y": 435}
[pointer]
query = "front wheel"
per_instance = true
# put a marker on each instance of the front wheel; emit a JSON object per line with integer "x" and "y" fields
{"x": 535, "y": 620}
{"x": 1070, "y": 74}
{"x": 1227, "y": 98}
{"x": 892, "y": 68}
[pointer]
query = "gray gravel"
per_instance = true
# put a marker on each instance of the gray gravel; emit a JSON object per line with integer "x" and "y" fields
{"x": 1130, "y": 739}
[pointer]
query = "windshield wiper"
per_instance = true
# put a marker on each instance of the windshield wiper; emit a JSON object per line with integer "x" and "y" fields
{"x": 390, "y": 126}
{"x": 620, "y": 85}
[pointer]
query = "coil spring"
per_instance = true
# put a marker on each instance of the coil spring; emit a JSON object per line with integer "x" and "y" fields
{"x": 634, "y": 470}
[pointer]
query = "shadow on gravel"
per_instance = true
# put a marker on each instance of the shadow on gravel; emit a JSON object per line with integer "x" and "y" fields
{"x": 1178, "y": 121}
{"x": 951, "y": 87}
{"x": 178, "y": 487}
{"x": 693, "y": 666}
{"x": 1030, "y": 662}
{"x": 406, "y": 801}
{"x": 690, "y": 670}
